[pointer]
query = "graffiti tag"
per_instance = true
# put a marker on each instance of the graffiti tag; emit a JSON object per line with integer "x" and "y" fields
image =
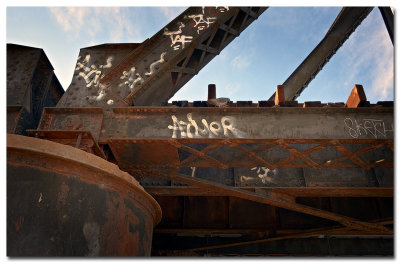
{"x": 90, "y": 72}
{"x": 190, "y": 128}
{"x": 177, "y": 39}
{"x": 367, "y": 127}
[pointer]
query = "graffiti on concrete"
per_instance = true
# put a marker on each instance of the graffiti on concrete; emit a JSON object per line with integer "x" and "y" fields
{"x": 190, "y": 129}
{"x": 368, "y": 127}
{"x": 178, "y": 40}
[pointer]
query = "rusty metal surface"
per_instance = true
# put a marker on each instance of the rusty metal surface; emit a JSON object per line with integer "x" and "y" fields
{"x": 152, "y": 72}
{"x": 284, "y": 201}
{"x": 173, "y": 191}
{"x": 200, "y": 123}
{"x": 92, "y": 63}
{"x": 31, "y": 85}
{"x": 18, "y": 120}
{"x": 344, "y": 25}
{"x": 141, "y": 137}
{"x": 62, "y": 201}
{"x": 21, "y": 64}
{"x": 225, "y": 153}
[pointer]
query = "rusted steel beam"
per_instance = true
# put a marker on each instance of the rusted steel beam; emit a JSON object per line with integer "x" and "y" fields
{"x": 280, "y": 95}
{"x": 298, "y": 247}
{"x": 267, "y": 199}
{"x": 241, "y": 123}
{"x": 234, "y": 137}
{"x": 357, "y": 97}
{"x": 81, "y": 139}
{"x": 344, "y": 25}
{"x": 212, "y": 93}
{"x": 161, "y": 153}
{"x": 152, "y": 72}
{"x": 31, "y": 85}
{"x": 337, "y": 230}
{"x": 276, "y": 233}
{"x": 294, "y": 191}
{"x": 387, "y": 16}
{"x": 281, "y": 234}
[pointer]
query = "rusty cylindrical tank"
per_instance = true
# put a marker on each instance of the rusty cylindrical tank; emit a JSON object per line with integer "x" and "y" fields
{"x": 62, "y": 201}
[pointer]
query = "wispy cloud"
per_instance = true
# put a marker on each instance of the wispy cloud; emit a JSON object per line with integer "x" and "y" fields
{"x": 230, "y": 90}
{"x": 241, "y": 62}
{"x": 91, "y": 21}
{"x": 241, "y": 58}
{"x": 370, "y": 51}
{"x": 171, "y": 12}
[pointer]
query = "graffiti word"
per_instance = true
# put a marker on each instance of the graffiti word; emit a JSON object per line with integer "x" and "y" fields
{"x": 154, "y": 64}
{"x": 90, "y": 72}
{"x": 176, "y": 37}
{"x": 190, "y": 129}
{"x": 200, "y": 23}
{"x": 131, "y": 79}
{"x": 263, "y": 172}
{"x": 203, "y": 20}
{"x": 367, "y": 127}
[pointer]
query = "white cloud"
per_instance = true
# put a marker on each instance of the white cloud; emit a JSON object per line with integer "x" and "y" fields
{"x": 370, "y": 54}
{"x": 171, "y": 12}
{"x": 91, "y": 21}
{"x": 241, "y": 62}
{"x": 230, "y": 90}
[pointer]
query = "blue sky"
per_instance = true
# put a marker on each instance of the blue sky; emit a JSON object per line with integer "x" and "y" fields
{"x": 250, "y": 68}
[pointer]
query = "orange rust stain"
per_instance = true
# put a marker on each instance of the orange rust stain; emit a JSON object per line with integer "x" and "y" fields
{"x": 19, "y": 223}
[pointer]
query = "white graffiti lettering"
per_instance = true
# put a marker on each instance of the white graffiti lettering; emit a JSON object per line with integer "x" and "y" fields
{"x": 132, "y": 79}
{"x": 176, "y": 37}
{"x": 100, "y": 96}
{"x": 264, "y": 174}
{"x": 90, "y": 72}
{"x": 156, "y": 63}
{"x": 200, "y": 23}
{"x": 367, "y": 127}
{"x": 206, "y": 18}
{"x": 190, "y": 129}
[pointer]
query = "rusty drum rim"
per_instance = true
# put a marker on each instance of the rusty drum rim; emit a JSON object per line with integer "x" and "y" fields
{"x": 72, "y": 154}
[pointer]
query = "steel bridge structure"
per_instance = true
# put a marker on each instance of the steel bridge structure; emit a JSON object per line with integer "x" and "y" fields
{"x": 110, "y": 168}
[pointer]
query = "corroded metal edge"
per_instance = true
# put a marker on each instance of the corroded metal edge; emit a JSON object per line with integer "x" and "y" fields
{"x": 71, "y": 154}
